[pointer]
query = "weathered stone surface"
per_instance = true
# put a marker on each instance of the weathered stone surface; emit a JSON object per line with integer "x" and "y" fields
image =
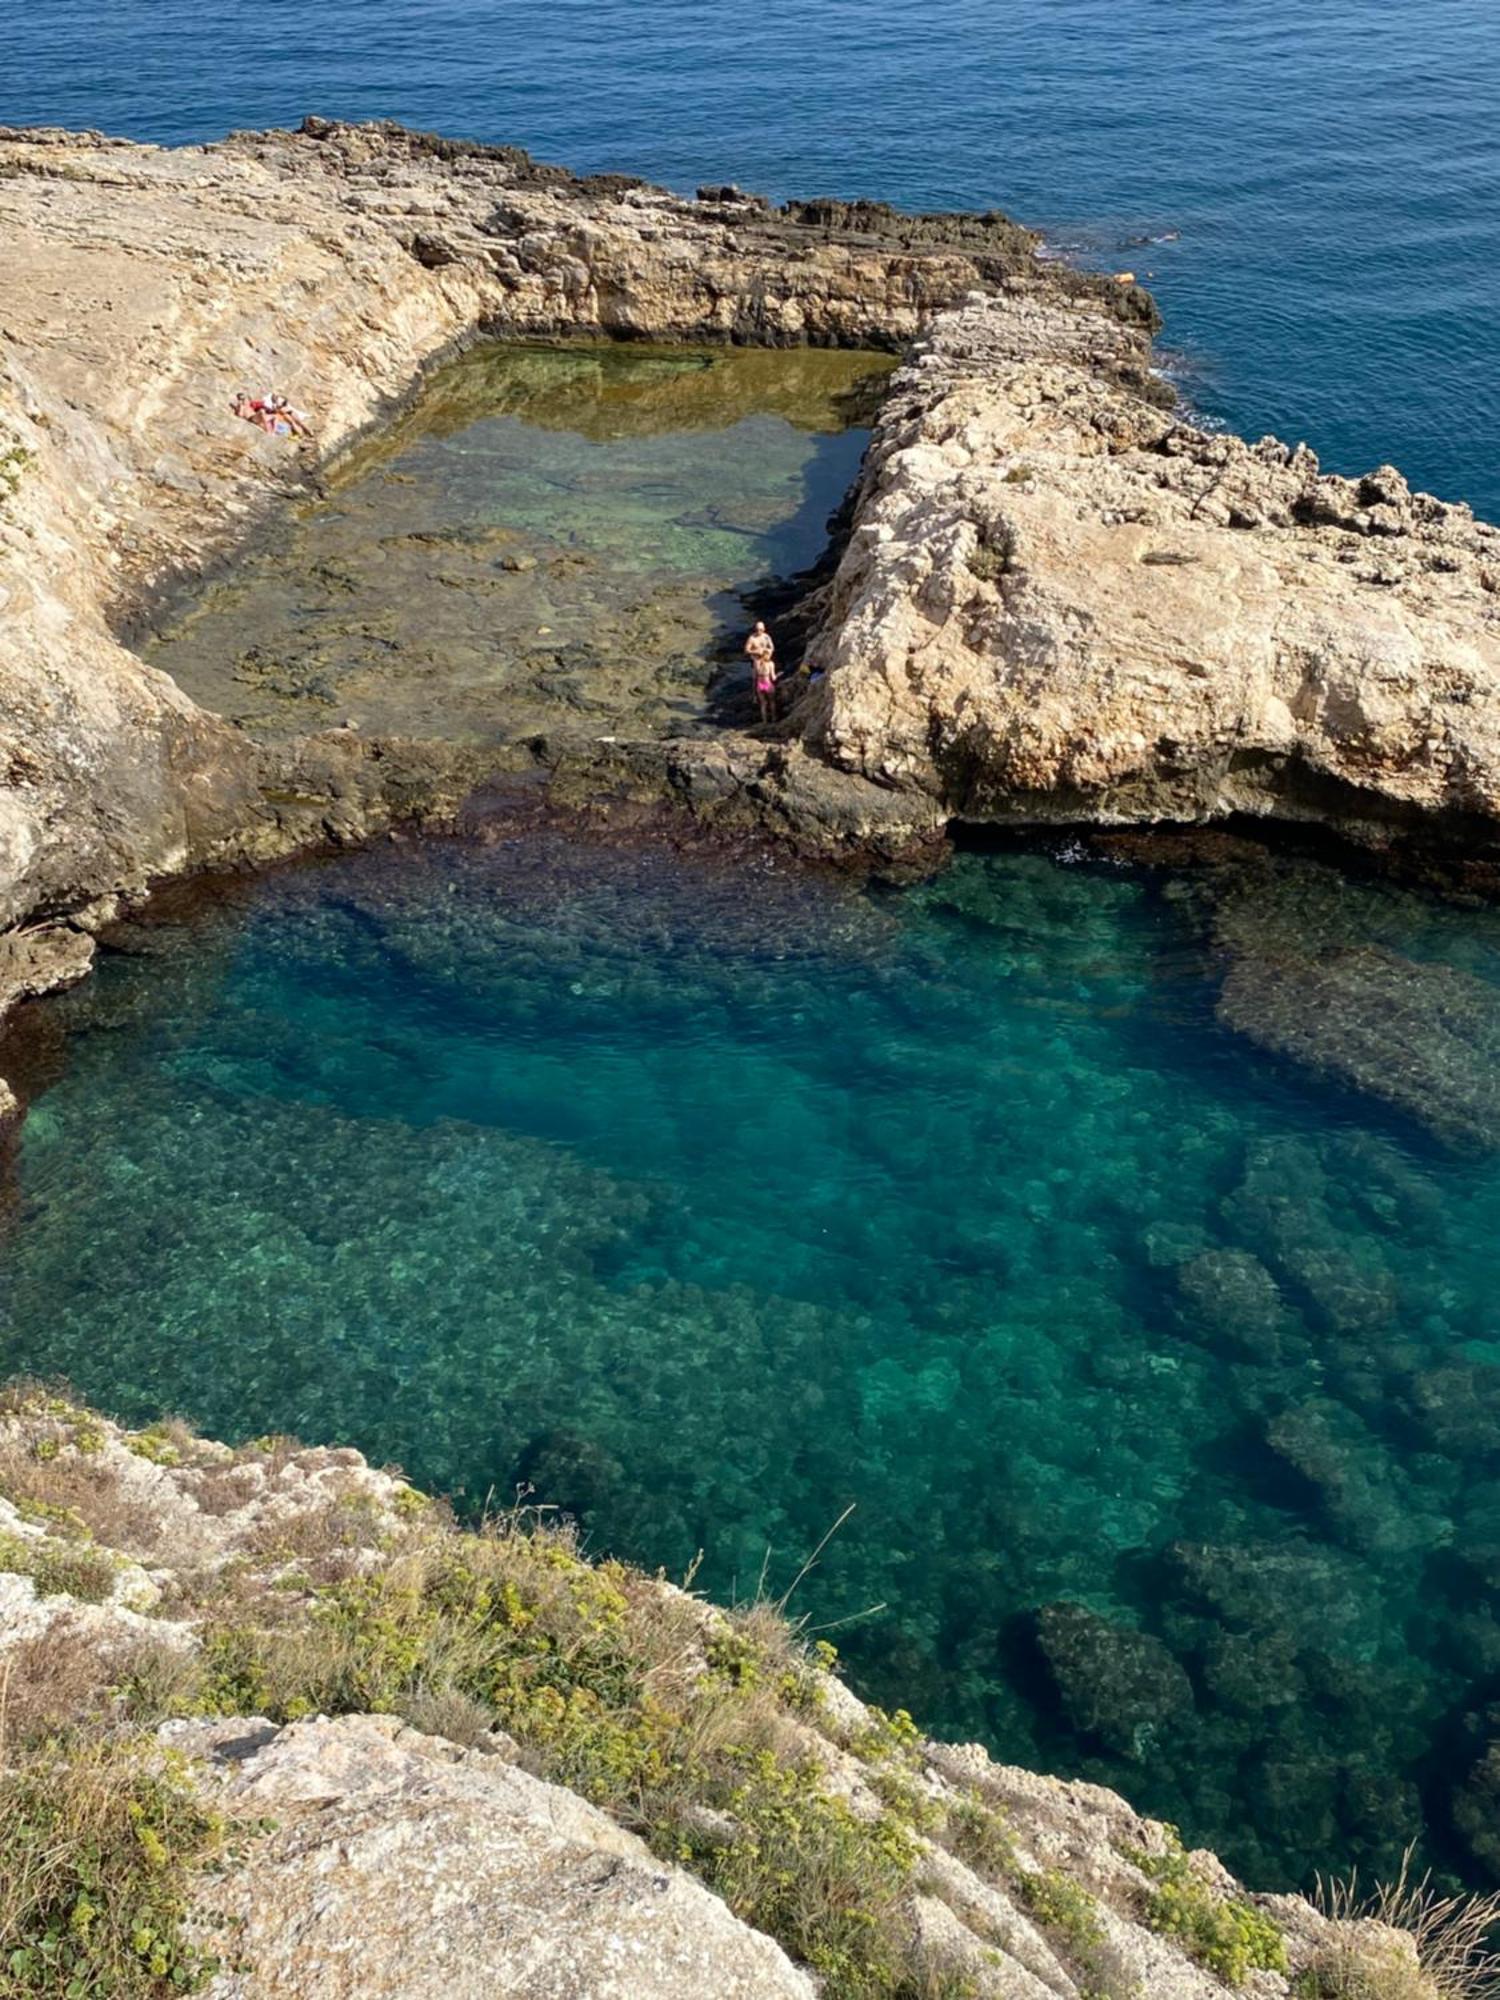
{"x": 1058, "y": 602}
{"x": 379, "y": 1859}
{"x": 403, "y": 1866}
{"x": 1062, "y": 603}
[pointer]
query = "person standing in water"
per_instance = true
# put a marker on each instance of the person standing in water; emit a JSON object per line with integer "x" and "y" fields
{"x": 762, "y": 651}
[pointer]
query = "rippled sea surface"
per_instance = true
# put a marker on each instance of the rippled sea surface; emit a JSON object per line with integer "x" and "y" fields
{"x": 1164, "y": 1374}
{"x": 1328, "y": 176}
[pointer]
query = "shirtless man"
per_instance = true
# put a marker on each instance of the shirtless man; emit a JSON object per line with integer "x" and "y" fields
{"x": 762, "y": 651}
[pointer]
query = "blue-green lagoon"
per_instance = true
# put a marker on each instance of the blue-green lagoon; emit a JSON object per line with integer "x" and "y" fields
{"x": 1116, "y": 1239}
{"x": 707, "y": 1198}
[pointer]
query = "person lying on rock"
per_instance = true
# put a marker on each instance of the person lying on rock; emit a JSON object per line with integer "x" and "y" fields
{"x": 272, "y": 414}
{"x": 761, "y": 648}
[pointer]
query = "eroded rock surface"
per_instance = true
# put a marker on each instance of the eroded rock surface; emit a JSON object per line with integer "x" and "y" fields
{"x": 427, "y": 1856}
{"x": 140, "y": 287}
{"x": 1061, "y": 602}
{"x": 403, "y": 1866}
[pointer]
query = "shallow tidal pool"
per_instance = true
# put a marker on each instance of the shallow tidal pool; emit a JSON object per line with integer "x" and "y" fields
{"x": 557, "y": 542}
{"x": 1162, "y": 1371}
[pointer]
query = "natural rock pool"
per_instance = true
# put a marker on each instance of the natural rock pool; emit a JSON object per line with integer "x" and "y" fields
{"x": 1116, "y": 1239}
{"x": 556, "y": 542}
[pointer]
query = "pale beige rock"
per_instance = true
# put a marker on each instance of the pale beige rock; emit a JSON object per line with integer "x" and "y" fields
{"x": 410, "y": 1865}
{"x": 141, "y": 287}
{"x": 1061, "y": 603}
{"x": 401, "y": 1867}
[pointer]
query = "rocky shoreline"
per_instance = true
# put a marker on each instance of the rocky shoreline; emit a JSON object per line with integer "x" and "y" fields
{"x": 1058, "y": 604}
{"x": 386, "y": 1755}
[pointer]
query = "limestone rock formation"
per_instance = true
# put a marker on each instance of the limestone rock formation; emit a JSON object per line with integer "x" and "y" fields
{"x": 435, "y": 1854}
{"x": 403, "y": 1866}
{"x": 1062, "y": 603}
{"x": 140, "y": 287}
{"x": 1059, "y": 602}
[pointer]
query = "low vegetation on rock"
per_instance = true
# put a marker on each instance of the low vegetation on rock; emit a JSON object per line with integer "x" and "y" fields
{"x": 275, "y": 1587}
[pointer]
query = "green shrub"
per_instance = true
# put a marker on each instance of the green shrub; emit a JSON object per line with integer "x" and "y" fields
{"x": 97, "y": 1840}
{"x": 981, "y": 1839}
{"x": 1228, "y": 1936}
{"x": 60, "y": 1569}
{"x": 1062, "y": 1906}
{"x": 805, "y": 1868}
{"x": 674, "y": 1722}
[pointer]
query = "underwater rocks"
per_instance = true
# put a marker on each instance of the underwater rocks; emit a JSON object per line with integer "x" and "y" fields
{"x": 1062, "y": 603}
{"x": 1423, "y": 1039}
{"x": 1119, "y": 1685}
{"x": 1230, "y": 1295}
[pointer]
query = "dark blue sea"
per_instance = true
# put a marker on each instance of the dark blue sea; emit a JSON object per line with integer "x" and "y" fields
{"x": 1327, "y": 176}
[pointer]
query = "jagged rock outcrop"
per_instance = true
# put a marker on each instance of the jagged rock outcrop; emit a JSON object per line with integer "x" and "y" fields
{"x": 1059, "y": 601}
{"x": 1062, "y": 603}
{"x": 436, "y": 1853}
{"x": 402, "y": 1867}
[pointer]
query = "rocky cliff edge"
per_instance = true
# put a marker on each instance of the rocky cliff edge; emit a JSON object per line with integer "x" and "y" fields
{"x": 275, "y": 1726}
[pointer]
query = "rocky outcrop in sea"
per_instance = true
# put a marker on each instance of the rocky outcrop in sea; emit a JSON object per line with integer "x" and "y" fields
{"x": 1059, "y": 600}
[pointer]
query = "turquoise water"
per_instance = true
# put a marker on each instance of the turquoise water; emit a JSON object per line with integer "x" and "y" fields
{"x": 1328, "y": 176}
{"x": 708, "y": 1199}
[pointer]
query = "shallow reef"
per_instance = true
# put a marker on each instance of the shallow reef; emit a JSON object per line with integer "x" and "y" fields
{"x": 703, "y": 1199}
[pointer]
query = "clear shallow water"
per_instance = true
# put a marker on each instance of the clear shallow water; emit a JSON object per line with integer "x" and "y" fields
{"x": 1331, "y": 172}
{"x": 711, "y": 1199}
{"x": 556, "y": 541}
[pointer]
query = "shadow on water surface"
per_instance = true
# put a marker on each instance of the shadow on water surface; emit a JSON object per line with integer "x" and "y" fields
{"x": 1164, "y": 1369}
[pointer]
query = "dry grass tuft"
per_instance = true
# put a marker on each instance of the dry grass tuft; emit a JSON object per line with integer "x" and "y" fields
{"x": 78, "y": 1492}
{"x": 67, "y": 1676}
{"x": 1446, "y": 1952}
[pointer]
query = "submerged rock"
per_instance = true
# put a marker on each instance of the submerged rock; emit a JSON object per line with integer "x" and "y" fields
{"x": 1230, "y": 1294}
{"x": 1118, "y": 1684}
{"x": 1423, "y": 1039}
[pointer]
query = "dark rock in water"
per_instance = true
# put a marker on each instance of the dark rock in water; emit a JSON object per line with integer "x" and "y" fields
{"x": 1231, "y": 1295}
{"x": 1424, "y": 1039}
{"x": 1458, "y": 1408}
{"x": 1250, "y": 1672}
{"x": 1476, "y": 1810}
{"x": 1281, "y": 1207}
{"x": 571, "y": 1472}
{"x": 1368, "y": 1502}
{"x": 1326, "y": 1600}
{"x": 1115, "y": 1683}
